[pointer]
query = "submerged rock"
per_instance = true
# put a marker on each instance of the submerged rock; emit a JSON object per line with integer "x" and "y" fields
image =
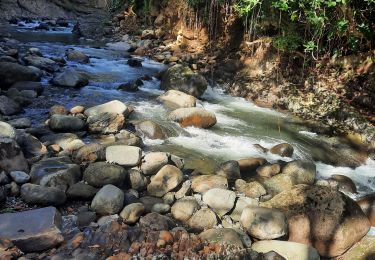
{"x": 151, "y": 130}
{"x": 77, "y": 56}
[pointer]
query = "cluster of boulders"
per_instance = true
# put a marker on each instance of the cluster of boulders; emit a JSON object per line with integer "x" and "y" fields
{"x": 45, "y": 24}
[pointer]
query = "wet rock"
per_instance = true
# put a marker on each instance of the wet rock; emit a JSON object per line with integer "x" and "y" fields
{"x": 268, "y": 170}
{"x": 77, "y": 56}
{"x": 62, "y": 123}
{"x": 58, "y": 172}
{"x": 151, "y": 130}
{"x": 7, "y": 131}
{"x": 182, "y": 78}
{"x": 28, "y": 85}
{"x": 338, "y": 221}
{"x": 19, "y": 177}
{"x": 11, "y": 156}
{"x": 203, "y": 183}
{"x": 248, "y": 166}
{"x": 288, "y": 250}
{"x": 176, "y": 99}
{"x": 193, "y": 116}
{"x": 167, "y": 178}
{"x": 241, "y": 204}
{"x": 134, "y": 63}
{"x": 184, "y": 208}
{"x": 105, "y": 123}
{"x": 252, "y": 189}
{"x": 203, "y": 219}
{"x": 35, "y": 51}
{"x": 154, "y": 221}
{"x": 149, "y": 202}
{"x": 113, "y": 106}
{"x": 41, "y": 63}
{"x": 20, "y": 123}
{"x": 41, "y": 195}
{"x": 109, "y": 200}
{"x": 129, "y": 86}
{"x": 64, "y": 140}
{"x": 85, "y": 218}
{"x": 220, "y": 200}
{"x": 137, "y": 180}
{"x": 222, "y": 236}
{"x": 90, "y": 153}
{"x": 8, "y": 107}
{"x": 132, "y": 212}
{"x": 11, "y": 73}
{"x": 81, "y": 191}
{"x": 364, "y": 249}
{"x": 229, "y": 170}
{"x": 124, "y": 155}
{"x": 77, "y": 110}
{"x": 161, "y": 208}
{"x": 343, "y": 183}
{"x": 32, "y": 230}
{"x": 367, "y": 204}
{"x": 57, "y": 110}
{"x": 100, "y": 174}
{"x": 153, "y": 162}
{"x": 119, "y": 46}
{"x": 70, "y": 78}
{"x": 284, "y": 150}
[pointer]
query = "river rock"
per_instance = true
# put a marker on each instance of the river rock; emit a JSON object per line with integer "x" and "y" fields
{"x": 105, "y": 123}
{"x": 364, "y": 249}
{"x": 11, "y": 73}
{"x": 134, "y": 62}
{"x": 119, "y": 46}
{"x": 20, "y": 123}
{"x": 77, "y": 56}
{"x": 268, "y": 170}
{"x": 284, "y": 150}
{"x": 89, "y": 153}
{"x": 154, "y": 221}
{"x": 57, "y": 110}
{"x": 28, "y": 85}
{"x": 41, "y": 63}
{"x": 203, "y": 183}
{"x": 100, "y": 173}
{"x": 222, "y": 236}
{"x": 11, "y": 156}
{"x": 241, "y": 204}
{"x": 62, "y": 123}
{"x": 7, "y": 131}
{"x": 109, "y": 200}
{"x": 20, "y": 177}
{"x": 153, "y": 162}
{"x": 8, "y": 107}
{"x": 193, "y": 116}
{"x": 151, "y": 130}
{"x": 252, "y": 189}
{"x": 367, "y": 204}
{"x": 137, "y": 180}
{"x": 124, "y": 155}
{"x": 70, "y": 78}
{"x": 288, "y": 250}
{"x": 161, "y": 208}
{"x": 184, "y": 208}
{"x": 184, "y": 190}
{"x": 182, "y": 78}
{"x": 64, "y": 140}
{"x": 176, "y": 99}
{"x": 338, "y": 221}
{"x": 81, "y": 191}
{"x": 220, "y": 200}
{"x": 229, "y": 170}
{"x": 167, "y": 178}
{"x": 149, "y": 202}
{"x": 343, "y": 183}
{"x": 32, "y": 230}
{"x": 203, "y": 219}
{"x": 41, "y": 195}
{"x": 248, "y": 166}
{"x": 77, "y": 110}
{"x": 132, "y": 212}
{"x": 113, "y": 106}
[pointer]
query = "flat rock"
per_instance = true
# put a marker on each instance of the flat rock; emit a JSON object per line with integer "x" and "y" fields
{"x": 40, "y": 195}
{"x": 70, "y": 78}
{"x": 220, "y": 200}
{"x": 203, "y": 183}
{"x": 64, "y": 123}
{"x": 123, "y": 155}
{"x": 167, "y": 178}
{"x": 105, "y": 123}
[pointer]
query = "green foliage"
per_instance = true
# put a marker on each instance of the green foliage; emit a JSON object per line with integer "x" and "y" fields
{"x": 288, "y": 43}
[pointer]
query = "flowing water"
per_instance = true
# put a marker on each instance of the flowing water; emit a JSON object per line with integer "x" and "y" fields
{"x": 240, "y": 124}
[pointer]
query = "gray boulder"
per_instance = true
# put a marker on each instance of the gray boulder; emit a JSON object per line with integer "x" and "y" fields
{"x": 100, "y": 174}
{"x": 168, "y": 178}
{"x": 8, "y": 107}
{"x": 70, "y": 78}
{"x": 63, "y": 123}
{"x": 109, "y": 200}
{"x": 11, "y": 73}
{"x": 77, "y": 56}
{"x": 40, "y": 195}
{"x": 11, "y": 156}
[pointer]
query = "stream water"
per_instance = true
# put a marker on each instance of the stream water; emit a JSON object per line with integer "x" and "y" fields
{"x": 240, "y": 125}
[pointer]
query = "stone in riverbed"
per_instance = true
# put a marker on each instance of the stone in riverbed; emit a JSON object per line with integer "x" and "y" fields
{"x": 109, "y": 200}
{"x": 105, "y": 123}
{"x": 32, "y": 230}
{"x": 154, "y": 221}
{"x": 11, "y": 73}
{"x": 30, "y": 145}
{"x": 203, "y": 183}
{"x": 11, "y": 156}
{"x": 229, "y": 170}
{"x": 20, "y": 177}
{"x": 81, "y": 191}
{"x": 40, "y": 195}
{"x": 364, "y": 249}
{"x": 20, "y": 123}
{"x": 132, "y": 212}
{"x": 203, "y": 219}
{"x": 8, "y": 107}
{"x": 248, "y": 166}
{"x": 41, "y": 63}
{"x": 367, "y": 204}
{"x": 153, "y": 162}
{"x": 220, "y": 200}
{"x": 167, "y": 178}
{"x": 241, "y": 204}
{"x": 343, "y": 183}
{"x": 89, "y": 153}
{"x": 70, "y": 78}
{"x": 100, "y": 174}
{"x": 7, "y": 131}
{"x": 268, "y": 170}
{"x": 184, "y": 208}
{"x": 222, "y": 236}
{"x": 124, "y": 155}
{"x": 252, "y": 189}
{"x": 113, "y": 106}
{"x": 151, "y": 130}
{"x": 193, "y": 116}
{"x": 284, "y": 150}
{"x": 137, "y": 180}
{"x": 28, "y": 85}
{"x": 77, "y": 56}
{"x": 62, "y": 123}
{"x": 176, "y": 99}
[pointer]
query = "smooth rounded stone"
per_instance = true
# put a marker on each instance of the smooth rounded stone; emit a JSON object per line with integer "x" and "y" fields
{"x": 20, "y": 123}
{"x": 241, "y": 204}
{"x": 154, "y": 221}
{"x": 89, "y": 153}
{"x": 264, "y": 223}
{"x": 11, "y": 73}
{"x": 220, "y": 200}
{"x": 8, "y": 107}
{"x": 58, "y": 110}
{"x": 64, "y": 140}
{"x": 81, "y": 191}
{"x": 4, "y": 179}
{"x": 169, "y": 198}
{"x": 28, "y": 85}
{"x": 268, "y": 170}
{"x": 137, "y": 180}
{"x": 149, "y": 202}
{"x": 132, "y": 212}
{"x": 100, "y": 174}
{"x": 288, "y": 250}
{"x": 105, "y": 123}
{"x": 203, "y": 183}
{"x": 40, "y": 195}
{"x": 20, "y": 177}
{"x": 77, "y": 110}
{"x": 367, "y": 204}
{"x": 338, "y": 221}
{"x": 248, "y": 166}
{"x": 167, "y": 178}
{"x": 29, "y": 94}
{"x": 113, "y": 106}
{"x": 193, "y": 116}
{"x": 84, "y": 219}
{"x": 11, "y": 156}
{"x": 182, "y": 78}
{"x": 222, "y": 236}
{"x": 62, "y": 123}
{"x": 131, "y": 196}
{"x": 176, "y": 99}
{"x": 229, "y": 170}
{"x": 35, "y": 51}
{"x": 30, "y": 145}
{"x": 104, "y": 220}
{"x": 203, "y": 219}
{"x": 343, "y": 183}
{"x": 108, "y": 200}
{"x": 252, "y": 189}
{"x": 134, "y": 62}
{"x": 58, "y": 172}
{"x": 185, "y": 190}
{"x": 77, "y": 56}
{"x": 284, "y": 150}
{"x": 153, "y": 162}
{"x": 7, "y": 131}
{"x": 14, "y": 189}
{"x": 151, "y": 130}
{"x": 161, "y": 208}
{"x": 70, "y": 78}
{"x": 124, "y": 155}
{"x": 364, "y": 249}
{"x": 184, "y": 208}
{"x": 41, "y": 63}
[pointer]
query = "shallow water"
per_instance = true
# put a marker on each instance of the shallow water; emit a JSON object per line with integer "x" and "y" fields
{"x": 240, "y": 125}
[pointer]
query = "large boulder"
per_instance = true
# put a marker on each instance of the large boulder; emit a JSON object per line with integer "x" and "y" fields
{"x": 11, "y": 73}
{"x": 100, "y": 173}
{"x": 109, "y": 200}
{"x": 105, "y": 123}
{"x": 182, "y": 78}
{"x": 367, "y": 204}
{"x": 220, "y": 200}
{"x": 70, "y": 78}
{"x": 32, "y": 230}
{"x": 150, "y": 130}
{"x": 123, "y": 155}
{"x": 40, "y": 195}
{"x": 8, "y": 107}
{"x": 176, "y": 99}
{"x": 41, "y": 63}
{"x": 63, "y": 123}
{"x": 167, "y": 178}
{"x": 77, "y": 56}
{"x": 284, "y": 150}
{"x": 325, "y": 218}
{"x": 113, "y": 106}
{"x": 11, "y": 156}
{"x": 193, "y": 116}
